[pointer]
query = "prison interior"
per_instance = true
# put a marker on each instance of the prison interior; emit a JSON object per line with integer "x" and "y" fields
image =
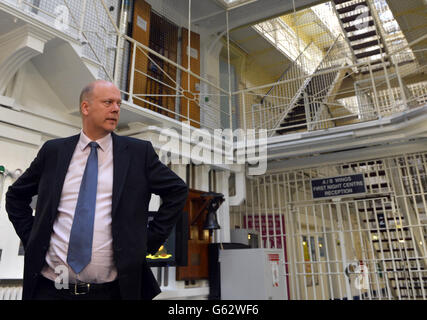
{"x": 337, "y": 89}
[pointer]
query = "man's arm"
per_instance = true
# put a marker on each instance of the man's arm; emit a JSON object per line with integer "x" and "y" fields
{"x": 172, "y": 190}
{"x": 19, "y": 197}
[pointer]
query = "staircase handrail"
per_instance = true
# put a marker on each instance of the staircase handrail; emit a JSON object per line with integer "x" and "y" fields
{"x": 303, "y": 86}
{"x": 294, "y": 62}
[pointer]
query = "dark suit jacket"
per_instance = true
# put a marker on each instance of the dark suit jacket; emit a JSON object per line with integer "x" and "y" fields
{"x": 137, "y": 173}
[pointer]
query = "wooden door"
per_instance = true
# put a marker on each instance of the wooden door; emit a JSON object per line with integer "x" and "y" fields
{"x": 189, "y": 107}
{"x": 141, "y": 33}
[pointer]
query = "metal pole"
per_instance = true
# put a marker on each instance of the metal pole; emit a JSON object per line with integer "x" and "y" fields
{"x": 229, "y": 73}
{"x": 307, "y": 111}
{"x": 244, "y": 111}
{"x": 188, "y": 60}
{"x": 119, "y": 46}
{"x": 132, "y": 74}
{"x": 337, "y": 202}
{"x": 178, "y": 100}
{"x": 375, "y": 91}
{"x": 402, "y": 88}
{"x": 82, "y": 18}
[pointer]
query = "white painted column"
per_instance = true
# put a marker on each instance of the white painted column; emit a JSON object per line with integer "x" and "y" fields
{"x": 223, "y": 213}
{"x": 202, "y": 178}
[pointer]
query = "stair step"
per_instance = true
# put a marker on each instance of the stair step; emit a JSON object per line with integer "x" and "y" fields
{"x": 411, "y": 287}
{"x": 390, "y": 229}
{"x": 375, "y": 210}
{"x": 402, "y": 259}
{"x": 388, "y": 219}
{"x": 341, "y": 1}
{"x": 351, "y": 7}
{"x": 368, "y": 53}
{"x": 363, "y": 35}
{"x": 356, "y": 16}
{"x": 295, "y": 116}
{"x": 392, "y": 240}
{"x": 414, "y": 278}
{"x": 380, "y": 68}
{"x": 376, "y": 186}
{"x": 286, "y": 130}
{"x": 365, "y": 45}
{"x": 295, "y": 113}
{"x": 403, "y": 269}
{"x": 379, "y": 173}
{"x": 291, "y": 123}
{"x": 356, "y": 27}
{"x": 396, "y": 250}
{"x": 375, "y": 70}
{"x": 361, "y": 164}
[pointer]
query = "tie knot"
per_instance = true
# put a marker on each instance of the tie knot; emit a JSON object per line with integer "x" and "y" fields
{"x": 93, "y": 145}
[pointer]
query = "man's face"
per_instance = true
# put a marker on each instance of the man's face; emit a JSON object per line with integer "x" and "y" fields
{"x": 102, "y": 110}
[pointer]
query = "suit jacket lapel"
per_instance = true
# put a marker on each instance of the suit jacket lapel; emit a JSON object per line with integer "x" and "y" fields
{"x": 121, "y": 159}
{"x": 65, "y": 153}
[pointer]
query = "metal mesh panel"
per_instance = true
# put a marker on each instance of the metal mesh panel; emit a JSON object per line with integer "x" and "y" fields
{"x": 86, "y": 21}
{"x": 370, "y": 246}
{"x": 161, "y": 82}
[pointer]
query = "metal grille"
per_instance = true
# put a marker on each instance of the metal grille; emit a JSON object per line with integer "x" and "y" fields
{"x": 86, "y": 21}
{"x": 370, "y": 246}
{"x": 161, "y": 84}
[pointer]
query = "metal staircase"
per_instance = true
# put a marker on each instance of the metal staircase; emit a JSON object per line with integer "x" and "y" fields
{"x": 309, "y": 101}
{"x": 309, "y": 112}
{"x": 362, "y": 33}
{"x": 392, "y": 238}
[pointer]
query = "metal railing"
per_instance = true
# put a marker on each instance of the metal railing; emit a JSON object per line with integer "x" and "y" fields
{"x": 324, "y": 239}
{"x": 286, "y": 94}
{"x": 84, "y": 22}
{"x": 96, "y": 27}
{"x": 282, "y": 94}
{"x": 345, "y": 93}
{"x": 370, "y": 95}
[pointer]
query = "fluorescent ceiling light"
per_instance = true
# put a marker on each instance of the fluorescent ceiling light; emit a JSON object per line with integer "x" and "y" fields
{"x": 229, "y": 4}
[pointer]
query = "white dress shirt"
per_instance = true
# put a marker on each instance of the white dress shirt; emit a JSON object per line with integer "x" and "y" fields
{"x": 101, "y": 267}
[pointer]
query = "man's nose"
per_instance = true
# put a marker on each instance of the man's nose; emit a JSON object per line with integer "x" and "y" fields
{"x": 116, "y": 107}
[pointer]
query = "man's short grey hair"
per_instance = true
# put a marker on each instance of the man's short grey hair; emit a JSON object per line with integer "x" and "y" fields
{"x": 86, "y": 93}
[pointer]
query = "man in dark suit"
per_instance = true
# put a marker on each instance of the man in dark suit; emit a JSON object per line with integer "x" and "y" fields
{"x": 90, "y": 223}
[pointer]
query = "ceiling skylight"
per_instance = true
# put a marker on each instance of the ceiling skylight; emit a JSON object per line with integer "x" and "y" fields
{"x": 229, "y": 4}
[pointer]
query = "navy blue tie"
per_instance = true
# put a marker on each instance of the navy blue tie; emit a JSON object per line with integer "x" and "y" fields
{"x": 80, "y": 244}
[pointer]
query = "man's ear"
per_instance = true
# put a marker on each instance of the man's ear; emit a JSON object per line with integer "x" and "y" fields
{"x": 84, "y": 108}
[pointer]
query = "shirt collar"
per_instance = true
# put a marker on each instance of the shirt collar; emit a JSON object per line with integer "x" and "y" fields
{"x": 104, "y": 143}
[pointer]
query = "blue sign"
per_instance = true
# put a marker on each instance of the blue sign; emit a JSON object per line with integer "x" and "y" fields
{"x": 337, "y": 187}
